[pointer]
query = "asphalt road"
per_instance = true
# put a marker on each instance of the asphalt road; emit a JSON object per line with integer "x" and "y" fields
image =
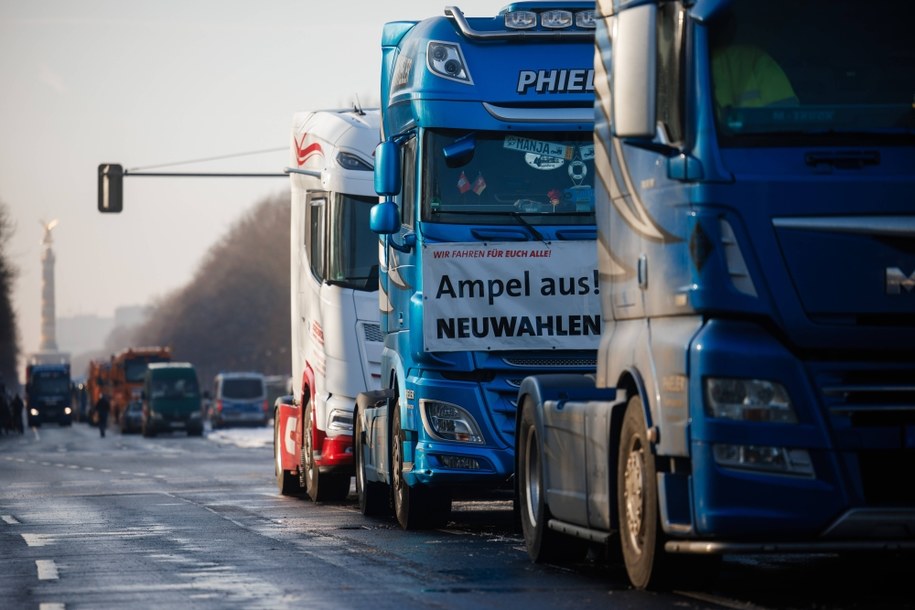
{"x": 128, "y": 522}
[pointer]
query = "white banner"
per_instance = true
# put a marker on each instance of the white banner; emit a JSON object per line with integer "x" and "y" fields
{"x": 510, "y": 296}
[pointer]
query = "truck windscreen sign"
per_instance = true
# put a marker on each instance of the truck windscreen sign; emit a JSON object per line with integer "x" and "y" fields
{"x": 577, "y": 80}
{"x": 502, "y": 296}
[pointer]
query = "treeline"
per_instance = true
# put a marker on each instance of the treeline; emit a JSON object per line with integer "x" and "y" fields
{"x": 234, "y": 314}
{"x": 9, "y": 338}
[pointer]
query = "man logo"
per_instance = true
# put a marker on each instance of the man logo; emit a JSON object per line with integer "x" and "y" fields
{"x": 896, "y": 280}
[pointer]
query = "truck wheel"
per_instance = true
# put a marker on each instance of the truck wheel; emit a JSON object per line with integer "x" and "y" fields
{"x": 543, "y": 544}
{"x": 415, "y": 507}
{"x": 641, "y": 537}
{"x": 373, "y": 496}
{"x": 149, "y": 430}
{"x": 327, "y": 487}
{"x": 287, "y": 483}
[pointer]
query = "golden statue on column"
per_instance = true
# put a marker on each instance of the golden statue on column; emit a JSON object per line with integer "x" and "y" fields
{"x": 48, "y": 318}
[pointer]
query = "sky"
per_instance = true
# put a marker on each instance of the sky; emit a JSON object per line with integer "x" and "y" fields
{"x": 159, "y": 83}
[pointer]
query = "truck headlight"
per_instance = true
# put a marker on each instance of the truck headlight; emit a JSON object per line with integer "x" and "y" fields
{"x": 748, "y": 400}
{"x": 450, "y": 422}
{"x": 780, "y": 460}
{"x": 340, "y": 420}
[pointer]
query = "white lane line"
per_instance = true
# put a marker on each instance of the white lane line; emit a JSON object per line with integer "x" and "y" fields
{"x": 47, "y": 569}
{"x": 10, "y": 520}
{"x": 51, "y": 606}
{"x": 35, "y": 539}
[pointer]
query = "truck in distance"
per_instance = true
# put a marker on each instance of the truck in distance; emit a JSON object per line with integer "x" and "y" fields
{"x": 126, "y": 373}
{"x": 47, "y": 392}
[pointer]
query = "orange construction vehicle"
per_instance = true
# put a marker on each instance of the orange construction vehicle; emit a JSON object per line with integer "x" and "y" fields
{"x": 126, "y": 374}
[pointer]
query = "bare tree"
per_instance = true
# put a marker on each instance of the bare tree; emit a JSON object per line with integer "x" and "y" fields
{"x": 234, "y": 314}
{"x": 9, "y": 338}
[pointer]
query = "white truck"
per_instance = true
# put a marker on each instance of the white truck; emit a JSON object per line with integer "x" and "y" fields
{"x": 336, "y": 338}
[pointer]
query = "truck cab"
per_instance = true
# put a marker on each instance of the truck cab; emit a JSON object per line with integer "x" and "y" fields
{"x": 487, "y": 257}
{"x": 755, "y": 214}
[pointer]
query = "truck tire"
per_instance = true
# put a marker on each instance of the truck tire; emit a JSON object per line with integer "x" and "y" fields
{"x": 417, "y": 507}
{"x": 149, "y": 430}
{"x": 543, "y": 544}
{"x": 287, "y": 483}
{"x": 374, "y": 497}
{"x": 641, "y": 537}
{"x": 320, "y": 487}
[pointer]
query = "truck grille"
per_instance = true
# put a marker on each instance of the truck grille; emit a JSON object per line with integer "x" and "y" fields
{"x": 872, "y": 415}
{"x": 552, "y": 362}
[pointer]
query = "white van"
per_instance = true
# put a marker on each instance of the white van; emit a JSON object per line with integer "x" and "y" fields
{"x": 239, "y": 399}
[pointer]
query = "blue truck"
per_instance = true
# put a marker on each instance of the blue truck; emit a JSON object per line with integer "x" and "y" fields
{"x": 756, "y": 219}
{"x": 47, "y": 393}
{"x": 487, "y": 263}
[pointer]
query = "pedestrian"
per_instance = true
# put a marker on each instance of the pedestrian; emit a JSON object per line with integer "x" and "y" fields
{"x": 102, "y": 407}
{"x": 6, "y": 420}
{"x": 16, "y": 410}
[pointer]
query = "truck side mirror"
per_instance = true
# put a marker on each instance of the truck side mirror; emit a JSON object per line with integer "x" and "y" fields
{"x": 460, "y": 152}
{"x": 387, "y": 169}
{"x": 634, "y": 73}
{"x": 110, "y": 188}
{"x": 384, "y": 218}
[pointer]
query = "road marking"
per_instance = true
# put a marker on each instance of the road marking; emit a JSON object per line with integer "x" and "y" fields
{"x": 10, "y": 520}
{"x": 35, "y": 539}
{"x": 47, "y": 569}
{"x": 51, "y": 606}
{"x": 721, "y": 601}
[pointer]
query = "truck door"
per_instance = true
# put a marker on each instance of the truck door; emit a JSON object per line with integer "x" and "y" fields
{"x": 402, "y": 276}
{"x": 312, "y": 271}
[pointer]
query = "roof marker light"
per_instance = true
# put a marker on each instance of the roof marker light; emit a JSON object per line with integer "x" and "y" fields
{"x": 585, "y": 19}
{"x": 556, "y": 19}
{"x": 520, "y": 20}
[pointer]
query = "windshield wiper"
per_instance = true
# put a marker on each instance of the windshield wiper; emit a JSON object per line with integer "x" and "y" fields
{"x": 523, "y": 222}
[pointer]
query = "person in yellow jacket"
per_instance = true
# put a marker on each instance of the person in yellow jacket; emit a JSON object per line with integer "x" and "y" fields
{"x": 745, "y": 76}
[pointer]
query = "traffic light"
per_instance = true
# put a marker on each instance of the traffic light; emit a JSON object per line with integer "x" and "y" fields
{"x": 110, "y": 188}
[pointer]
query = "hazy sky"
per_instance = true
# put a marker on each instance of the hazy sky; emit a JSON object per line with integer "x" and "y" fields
{"x": 155, "y": 82}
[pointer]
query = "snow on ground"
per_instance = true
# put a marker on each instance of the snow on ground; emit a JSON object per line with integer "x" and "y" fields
{"x": 250, "y": 438}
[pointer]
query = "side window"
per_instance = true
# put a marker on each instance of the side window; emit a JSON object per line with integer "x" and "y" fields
{"x": 315, "y": 224}
{"x": 408, "y": 193}
{"x": 670, "y": 69}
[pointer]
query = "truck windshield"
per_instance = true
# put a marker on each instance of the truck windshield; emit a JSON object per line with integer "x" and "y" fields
{"x": 353, "y": 252}
{"x": 174, "y": 388}
{"x": 819, "y": 71}
{"x": 51, "y": 384}
{"x": 135, "y": 369}
{"x": 493, "y": 177}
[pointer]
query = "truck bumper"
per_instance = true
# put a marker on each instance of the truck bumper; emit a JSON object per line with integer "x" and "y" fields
{"x": 837, "y": 476}
{"x": 446, "y": 464}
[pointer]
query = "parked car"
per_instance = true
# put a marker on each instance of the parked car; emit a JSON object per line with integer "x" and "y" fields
{"x": 239, "y": 399}
{"x": 132, "y": 418}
